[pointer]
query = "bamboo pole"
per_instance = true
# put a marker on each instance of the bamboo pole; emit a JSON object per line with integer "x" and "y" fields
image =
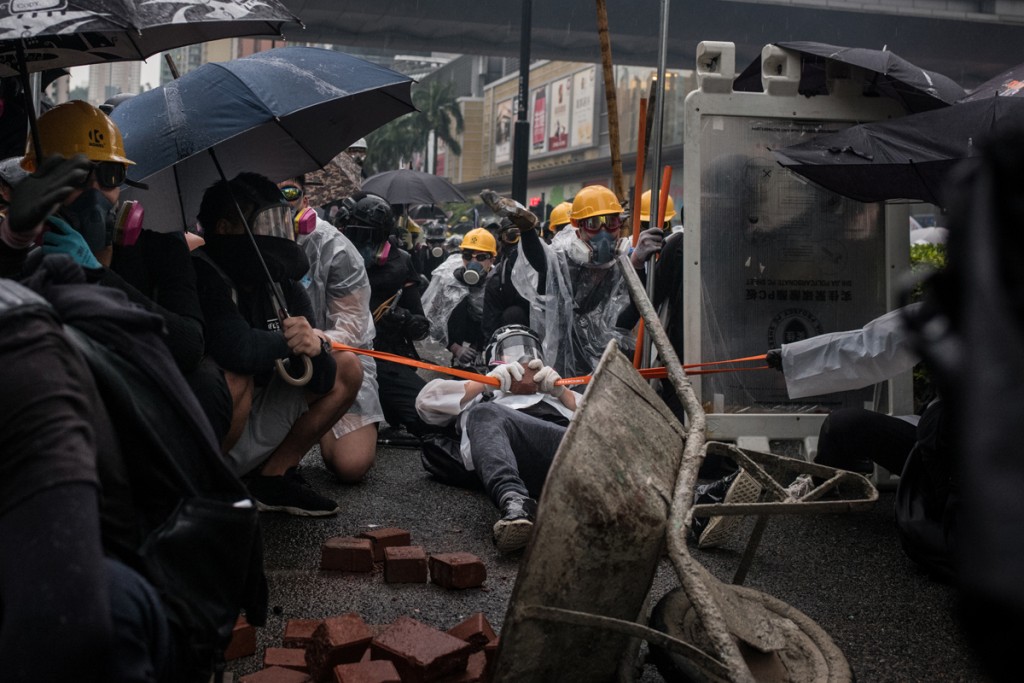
{"x": 618, "y": 186}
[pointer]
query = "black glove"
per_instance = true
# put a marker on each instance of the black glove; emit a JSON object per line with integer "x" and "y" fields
{"x": 416, "y": 327}
{"x": 36, "y": 196}
{"x": 394, "y": 320}
{"x": 774, "y": 359}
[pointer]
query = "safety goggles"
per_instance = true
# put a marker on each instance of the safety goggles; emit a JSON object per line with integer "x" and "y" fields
{"x": 291, "y": 192}
{"x": 109, "y": 174}
{"x": 481, "y": 257}
{"x": 611, "y": 222}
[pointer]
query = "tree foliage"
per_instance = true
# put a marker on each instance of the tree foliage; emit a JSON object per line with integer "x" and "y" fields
{"x": 393, "y": 144}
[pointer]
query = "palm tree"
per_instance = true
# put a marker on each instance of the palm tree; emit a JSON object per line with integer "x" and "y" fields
{"x": 438, "y": 110}
{"x": 391, "y": 144}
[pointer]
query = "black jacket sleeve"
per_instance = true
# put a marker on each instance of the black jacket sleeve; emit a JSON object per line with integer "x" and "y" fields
{"x": 533, "y": 250}
{"x": 325, "y": 369}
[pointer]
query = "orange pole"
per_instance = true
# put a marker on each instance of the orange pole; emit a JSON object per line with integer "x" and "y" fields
{"x": 666, "y": 180}
{"x": 638, "y": 186}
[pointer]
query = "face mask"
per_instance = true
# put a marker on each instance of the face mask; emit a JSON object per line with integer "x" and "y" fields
{"x": 472, "y": 275}
{"x": 437, "y": 251}
{"x": 92, "y": 216}
{"x": 358, "y": 157}
{"x": 305, "y": 222}
{"x": 374, "y": 254}
{"x": 128, "y": 223}
{"x": 602, "y": 245}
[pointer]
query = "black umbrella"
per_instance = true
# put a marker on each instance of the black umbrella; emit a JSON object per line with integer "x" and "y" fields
{"x": 62, "y": 33}
{"x": 406, "y": 186}
{"x": 882, "y": 72}
{"x": 908, "y": 157}
{"x": 280, "y": 113}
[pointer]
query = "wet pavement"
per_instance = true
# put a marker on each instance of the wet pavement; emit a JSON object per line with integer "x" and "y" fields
{"x": 845, "y": 571}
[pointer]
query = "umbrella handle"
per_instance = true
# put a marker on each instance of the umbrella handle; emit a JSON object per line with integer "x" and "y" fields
{"x": 282, "y": 370}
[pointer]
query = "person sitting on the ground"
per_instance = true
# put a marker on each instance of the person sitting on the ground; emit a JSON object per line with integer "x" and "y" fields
{"x": 368, "y": 221}
{"x": 339, "y": 292}
{"x": 247, "y": 333}
{"x": 510, "y": 434}
{"x": 454, "y": 300}
{"x": 577, "y": 289}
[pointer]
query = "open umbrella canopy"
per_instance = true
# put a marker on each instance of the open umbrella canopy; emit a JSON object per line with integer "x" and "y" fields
{"x": 883, "y": 73}
{"x": 280, "y": 113}
{"x": 904, "y": 158}
{"x": 62, "y": 33}
{"x": 406, "y": 186}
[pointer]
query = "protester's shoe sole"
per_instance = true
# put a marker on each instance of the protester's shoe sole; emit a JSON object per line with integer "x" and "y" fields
{"x": 512, "y": 535}
{"x": 744, "y": 489}
{"x": 298, "y": 512}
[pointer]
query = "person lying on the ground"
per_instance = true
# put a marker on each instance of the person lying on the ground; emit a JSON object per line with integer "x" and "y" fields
{"x": 509, "y": 435}
{"x": 339, "y": 292}
{"x": 247, "y": 334}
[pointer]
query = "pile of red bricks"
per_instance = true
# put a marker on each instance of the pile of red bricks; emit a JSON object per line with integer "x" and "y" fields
{"x": 403, "y": 563}
{"x": 345, "y": 649}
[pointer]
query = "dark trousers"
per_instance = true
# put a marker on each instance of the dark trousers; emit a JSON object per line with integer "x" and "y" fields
{"x": 851, "y": 436}
{"x": 512, "y": 451}
{"x": 398, "y": 387}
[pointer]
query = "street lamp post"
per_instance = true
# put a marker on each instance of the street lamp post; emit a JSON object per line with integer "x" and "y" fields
{"x": 521, "y": 144}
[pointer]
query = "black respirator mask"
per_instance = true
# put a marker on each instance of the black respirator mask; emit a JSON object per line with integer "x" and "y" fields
{"x": 92, "y": 216}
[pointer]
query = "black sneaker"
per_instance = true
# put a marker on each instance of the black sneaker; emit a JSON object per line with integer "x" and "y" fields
{"x": 515, "y": 527}
{"x": 289, "y": 493}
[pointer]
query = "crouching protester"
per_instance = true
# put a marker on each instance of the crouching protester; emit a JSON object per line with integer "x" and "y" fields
{"x": 246, "y": 335}
{"x": 508, "y": 435}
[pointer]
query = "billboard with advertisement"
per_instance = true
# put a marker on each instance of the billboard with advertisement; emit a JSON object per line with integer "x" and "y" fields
{"x": 539, "y": 124}
{"x": 583, "y": 108}
{"x": 558, "y": 119}
{"x": 503, "y": 117}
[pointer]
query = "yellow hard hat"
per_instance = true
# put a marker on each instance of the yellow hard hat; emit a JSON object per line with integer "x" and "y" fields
{"x": 77, "y": 127}
{"x": 594, "y": 200}
{"x": 645, "y": 207}
{"x": 559, "y": 215}
{"x": 480, "y": 239}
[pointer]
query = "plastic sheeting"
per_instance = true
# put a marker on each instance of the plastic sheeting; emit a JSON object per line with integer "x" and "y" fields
{"x": 576, "y": 316}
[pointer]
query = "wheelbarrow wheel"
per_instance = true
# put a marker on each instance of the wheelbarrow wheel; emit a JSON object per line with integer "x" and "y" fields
{"x": 808, "y": 653}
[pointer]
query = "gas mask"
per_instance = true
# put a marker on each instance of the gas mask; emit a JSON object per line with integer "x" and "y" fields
{"x": 472, "y": 274}
{"x": 128, "y": 224}
{"x": 305, "y": 221}
{"x": 599, "y": 251}
{"x": 374, "y": 254}
{"x": 437, "y": 250}
{"x": 92, "y": 216}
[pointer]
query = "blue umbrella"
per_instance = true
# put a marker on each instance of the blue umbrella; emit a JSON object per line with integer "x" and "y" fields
{"x": 279, "y": 113}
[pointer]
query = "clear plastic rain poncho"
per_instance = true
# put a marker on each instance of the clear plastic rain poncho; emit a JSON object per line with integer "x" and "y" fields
{"x": 842, "y": 361}
{"x": 339, "y": 290}
{"x": 576, "y": 316}
{"x": 444, "y": 293}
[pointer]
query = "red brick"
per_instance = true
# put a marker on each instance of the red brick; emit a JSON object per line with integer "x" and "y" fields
{"x": 369, "y": 671}
{"x": 457, "y": 570}
{"x": 386, "y": 538}
{"x": 420, "y": 653}
{"x": 243, "y": 640}
{"x": 299, "y": 632}
{"x": 287, "y": 657}
{"x": 476, "y": 671}
{"x": 475, "y": 630}
{"x": 339, "y": 640}
{"x": 275, "y": 674}
{"x": 405, "y": 564}
{"x": 347, "y": 554}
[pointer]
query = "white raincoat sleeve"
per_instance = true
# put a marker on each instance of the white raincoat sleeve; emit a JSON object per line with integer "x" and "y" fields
{"x": 440, "y": 401}
{"x": 442, "y": 296}
{"x": 841, "y": 361}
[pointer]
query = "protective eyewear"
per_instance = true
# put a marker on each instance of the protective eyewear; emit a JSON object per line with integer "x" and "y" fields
{"x": 517, "y": 348}
{"x": 291, "y": 192}
{"x": 612, "y": 222}
{"x": 109, "y": 174}
{"x": 469, "y": 256}
{"x": 274, "y": 221}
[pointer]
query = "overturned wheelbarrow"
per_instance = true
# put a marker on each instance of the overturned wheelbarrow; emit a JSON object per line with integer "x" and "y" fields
{"x": 619, "y": 492}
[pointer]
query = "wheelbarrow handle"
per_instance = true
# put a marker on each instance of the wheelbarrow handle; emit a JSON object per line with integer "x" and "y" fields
{"x": 302, "y": 381}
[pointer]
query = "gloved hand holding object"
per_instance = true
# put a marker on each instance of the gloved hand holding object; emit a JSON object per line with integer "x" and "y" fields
{"x": 416, "y": 327}
{"x": 522, "y": 217}
{"x": 774, "y": 359}
{"x": 38, "y": 195}
{"x": 545, "y": 377}
{"x": 464, "y": 355}
{"x": 650, "y": 243}
{"x": 506, "y": 373}
{"x": 61, "y": 238}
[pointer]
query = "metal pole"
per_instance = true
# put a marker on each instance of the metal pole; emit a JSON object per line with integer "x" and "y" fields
{"x": 521, "y": 144}
{"x": 659, "y": 125}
